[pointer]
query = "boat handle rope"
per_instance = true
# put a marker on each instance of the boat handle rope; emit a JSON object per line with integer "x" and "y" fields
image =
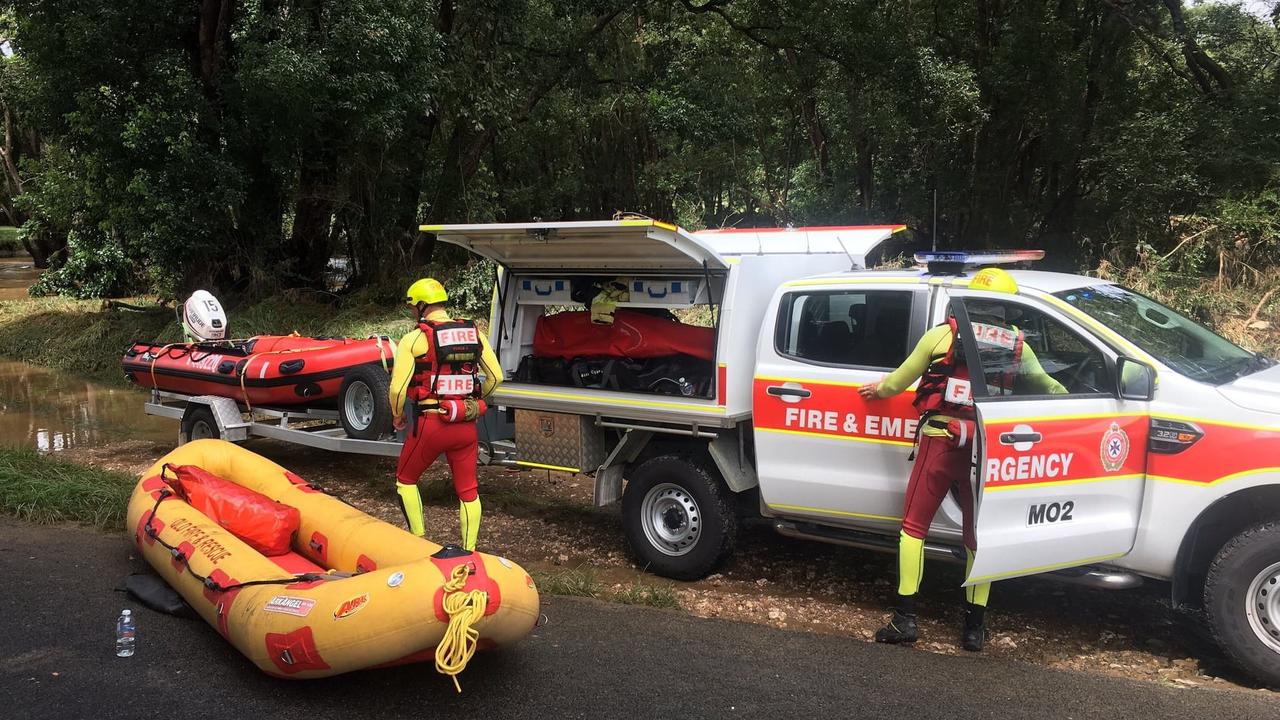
{"x": 209, "y": 583}
{"x": 464, "y": 609}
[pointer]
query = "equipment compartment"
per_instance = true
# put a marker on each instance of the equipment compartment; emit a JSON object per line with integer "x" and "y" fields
{"x": 543, "y": 291}
{"x": 560, "y": 441}
{"x": 664, "y": 293}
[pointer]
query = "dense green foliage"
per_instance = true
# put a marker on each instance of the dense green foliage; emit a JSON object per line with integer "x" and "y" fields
{"x": 239, "y": 145}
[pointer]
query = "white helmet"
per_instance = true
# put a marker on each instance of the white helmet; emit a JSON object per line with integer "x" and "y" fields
{"x": 202, "y": 317}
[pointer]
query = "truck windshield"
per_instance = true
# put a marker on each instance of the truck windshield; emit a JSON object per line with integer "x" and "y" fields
{"x": 1180, "y": 343}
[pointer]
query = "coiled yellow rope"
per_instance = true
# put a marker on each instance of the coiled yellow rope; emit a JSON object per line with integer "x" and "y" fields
{"x": 464, "y": 610}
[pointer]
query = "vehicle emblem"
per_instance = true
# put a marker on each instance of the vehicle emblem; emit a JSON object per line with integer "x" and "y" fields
{"x": 547, "y": 426}
{"x": 1115, "y": 448}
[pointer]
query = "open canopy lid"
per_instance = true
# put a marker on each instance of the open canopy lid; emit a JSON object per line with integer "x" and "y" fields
{"x": 590, "y": 245}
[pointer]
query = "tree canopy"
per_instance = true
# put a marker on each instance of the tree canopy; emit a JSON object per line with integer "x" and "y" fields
{"x": 155, "y": 145}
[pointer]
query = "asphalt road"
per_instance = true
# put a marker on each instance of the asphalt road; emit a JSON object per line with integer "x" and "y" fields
{"x": 59, "y": 603}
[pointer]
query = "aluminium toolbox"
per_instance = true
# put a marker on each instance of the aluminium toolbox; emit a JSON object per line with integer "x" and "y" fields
{"x": 560, "y": 441}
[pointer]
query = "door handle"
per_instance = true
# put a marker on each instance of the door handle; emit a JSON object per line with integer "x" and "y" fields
{"x": 782, "y": 391}
{"x": 1013, "y": 438}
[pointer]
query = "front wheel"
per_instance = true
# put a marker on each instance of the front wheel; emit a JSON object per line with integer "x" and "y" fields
{"x": 1242, "y": 599}
{"x": 678, "y": 517}
{"x": 364, "y": 405}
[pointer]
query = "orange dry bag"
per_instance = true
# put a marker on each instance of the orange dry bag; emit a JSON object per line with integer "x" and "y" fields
{"x": 262, "y": 523}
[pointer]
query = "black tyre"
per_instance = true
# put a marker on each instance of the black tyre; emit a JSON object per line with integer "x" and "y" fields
{"x": 1242, "y": 600}
{"x": 198, "y": 423}
{"x": 678, "y": 517}
{"x": 363, "y": 405}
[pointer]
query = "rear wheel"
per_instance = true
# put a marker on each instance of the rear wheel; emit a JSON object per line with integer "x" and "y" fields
{"x": 198, "y": 423}
{"x": 678, "y": 517}
{"x": 1242, "y": 599}
{"x": 364, "y": 407}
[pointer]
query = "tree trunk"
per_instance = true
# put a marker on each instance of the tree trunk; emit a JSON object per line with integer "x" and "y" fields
{"x": 308, "y": 245}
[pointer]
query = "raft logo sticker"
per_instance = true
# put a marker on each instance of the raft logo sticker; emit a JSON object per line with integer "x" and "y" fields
{"x": 351, "y": 607}
{"x": 287, "y": 605}
{"x": 395, "y": 579}
{"x": 1115, "y": 448}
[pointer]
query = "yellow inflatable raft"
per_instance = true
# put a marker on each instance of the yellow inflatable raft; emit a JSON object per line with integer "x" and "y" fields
{"x": 355, "y": 592}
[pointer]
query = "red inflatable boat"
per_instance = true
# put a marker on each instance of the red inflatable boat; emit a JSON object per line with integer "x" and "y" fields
{"x": 285, "y": 370}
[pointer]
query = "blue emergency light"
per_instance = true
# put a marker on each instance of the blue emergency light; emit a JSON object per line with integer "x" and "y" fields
{"x": 954, "y": 261}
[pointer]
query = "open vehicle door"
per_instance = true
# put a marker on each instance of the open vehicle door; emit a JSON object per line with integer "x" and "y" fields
{"x": 1060, "y": 459}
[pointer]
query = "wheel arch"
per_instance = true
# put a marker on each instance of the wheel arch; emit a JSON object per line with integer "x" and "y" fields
{"x": 1213, "y": 528}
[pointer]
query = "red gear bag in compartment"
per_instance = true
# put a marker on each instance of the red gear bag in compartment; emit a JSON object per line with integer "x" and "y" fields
{"x": 632, "y": 335}
{"x": 262, "y": 523}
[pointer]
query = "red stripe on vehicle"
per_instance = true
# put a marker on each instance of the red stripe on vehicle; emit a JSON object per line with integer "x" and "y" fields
{"x": 1223, "y": 452}
{"x": 836, "y": 411}
{"x": 1070, "y": 449}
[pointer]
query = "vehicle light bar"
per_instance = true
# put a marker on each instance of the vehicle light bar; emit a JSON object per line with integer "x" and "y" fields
{"x": 968, "y": 258}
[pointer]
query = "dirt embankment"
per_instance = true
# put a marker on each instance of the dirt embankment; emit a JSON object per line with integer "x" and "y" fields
{"x": 547, "y": 523}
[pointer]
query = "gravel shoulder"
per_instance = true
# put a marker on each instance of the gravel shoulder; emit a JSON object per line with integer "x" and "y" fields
{"x": 546, "y": 522}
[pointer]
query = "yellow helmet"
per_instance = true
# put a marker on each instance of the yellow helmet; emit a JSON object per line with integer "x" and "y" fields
{"x": 994, "y": 280}
{"x": 428, "y": 291}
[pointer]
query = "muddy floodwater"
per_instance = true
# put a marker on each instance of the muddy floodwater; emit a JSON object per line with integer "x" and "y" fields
{"x": 16, "y": 275}
{"x": 52, "y": 411}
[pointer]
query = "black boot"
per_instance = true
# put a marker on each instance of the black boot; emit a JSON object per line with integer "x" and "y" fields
{"x": 902, "y": 626}
{"x": 975, "y": 628}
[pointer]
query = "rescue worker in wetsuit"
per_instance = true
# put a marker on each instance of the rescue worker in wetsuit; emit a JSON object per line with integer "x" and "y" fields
{"x": 446, "y": 367}
{"x": 944, "y": 454}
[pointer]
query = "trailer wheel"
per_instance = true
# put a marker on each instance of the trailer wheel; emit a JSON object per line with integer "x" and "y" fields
{"x": 1242, "y": 600}
{"x": 678, "y": 517}
{"x": 198, "y": 423}
{"x": 364, "y": 407}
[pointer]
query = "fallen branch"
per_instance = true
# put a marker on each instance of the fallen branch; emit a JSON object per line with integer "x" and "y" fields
{"x": 117, "y": 305}
{"x": 1253, "y": 317}
{"x": 1186, "y": 240}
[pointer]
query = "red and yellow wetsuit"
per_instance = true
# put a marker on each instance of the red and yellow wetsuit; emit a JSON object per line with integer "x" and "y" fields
{"x": 431, "y": 435}
{"x": 942, "y": 462}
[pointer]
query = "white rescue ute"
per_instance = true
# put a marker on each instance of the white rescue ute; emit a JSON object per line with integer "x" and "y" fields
{"x": 1160, "y": 460}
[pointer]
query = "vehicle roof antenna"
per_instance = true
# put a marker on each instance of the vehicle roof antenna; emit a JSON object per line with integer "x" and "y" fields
{"x": 853, "y": 263}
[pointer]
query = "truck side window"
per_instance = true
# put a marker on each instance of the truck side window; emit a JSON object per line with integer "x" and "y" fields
{"x": 1062, "y": 359}
{"x": 866, "y": 328}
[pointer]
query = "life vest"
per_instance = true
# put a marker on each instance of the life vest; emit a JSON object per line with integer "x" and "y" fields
{"x": 451, "y": 366}
{"x": 945, "y": 386}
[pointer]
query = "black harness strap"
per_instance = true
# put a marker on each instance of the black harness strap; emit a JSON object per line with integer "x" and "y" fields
{"x": 209, "y": 583}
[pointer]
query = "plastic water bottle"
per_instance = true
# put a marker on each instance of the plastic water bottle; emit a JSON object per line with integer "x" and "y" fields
{"x": 125, "y": 634}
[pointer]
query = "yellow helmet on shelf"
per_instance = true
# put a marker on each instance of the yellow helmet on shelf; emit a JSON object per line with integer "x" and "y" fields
{"x": 428, "y": 291}
{"x": 994, "y": 280}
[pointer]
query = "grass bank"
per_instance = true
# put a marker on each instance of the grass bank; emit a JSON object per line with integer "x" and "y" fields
{"x": 87, "y": 337}
{"x": 9, "y": 240}
{"x": 47, "y": 490}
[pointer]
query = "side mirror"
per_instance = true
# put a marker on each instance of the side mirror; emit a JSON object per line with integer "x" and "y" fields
{"x": 1135, "y": 380}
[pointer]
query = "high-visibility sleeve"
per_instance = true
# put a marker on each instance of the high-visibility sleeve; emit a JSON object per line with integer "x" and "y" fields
{"x": 490, "y": 369}
{"x": 1032, "y": 373}
{"x": 933, "y": 344}
{"x": 410, "y": 347}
